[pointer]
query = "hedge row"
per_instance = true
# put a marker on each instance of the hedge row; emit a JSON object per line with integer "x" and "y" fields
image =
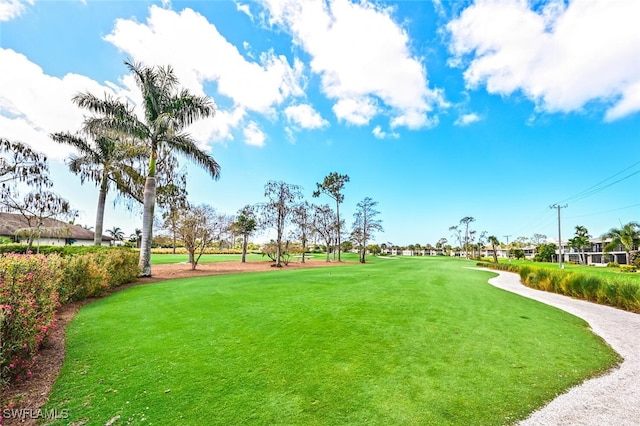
{"x": 32, "y": 286}
{"x": 618, "y": 292}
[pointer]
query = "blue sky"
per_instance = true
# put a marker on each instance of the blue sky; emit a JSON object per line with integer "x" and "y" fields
{"x": 494, "y": 109}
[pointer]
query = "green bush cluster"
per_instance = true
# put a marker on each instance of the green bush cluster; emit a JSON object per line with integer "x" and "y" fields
{"x": 618, "y": 292}
{"x": 33, "y": 285}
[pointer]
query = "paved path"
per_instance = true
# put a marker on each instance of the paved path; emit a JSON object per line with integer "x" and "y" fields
{"x": 610, "y": 400}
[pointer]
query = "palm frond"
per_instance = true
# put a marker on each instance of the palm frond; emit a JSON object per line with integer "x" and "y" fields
{"x": 184, "y": 144}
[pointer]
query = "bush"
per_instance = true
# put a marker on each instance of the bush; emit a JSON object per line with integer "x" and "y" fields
{"x": 628, "y": 268}
{"x": 92, "y": 273}
{"x": 28, "y": 301}
{"x": 613, "y": 265}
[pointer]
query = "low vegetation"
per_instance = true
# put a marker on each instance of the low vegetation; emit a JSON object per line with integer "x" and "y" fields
{"x": 593, "y": 284}
{"x": 404, "y": 341}
{"x": 32, "y": 286}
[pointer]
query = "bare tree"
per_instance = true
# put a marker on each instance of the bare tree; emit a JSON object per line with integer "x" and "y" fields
{"x": 332, "y": 186}
{"x": 324, "y": 222}
{"x": 466, "y": 221}
{"x": 19, "y": 163}
{"x": 197, "y": 228}
{"x": 303, "y": 219}
{"x": 365, "y": 224}
{"x": 277, "y": 210}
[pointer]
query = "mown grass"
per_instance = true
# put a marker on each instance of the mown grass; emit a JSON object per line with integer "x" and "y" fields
{"x": 410, "y": 341}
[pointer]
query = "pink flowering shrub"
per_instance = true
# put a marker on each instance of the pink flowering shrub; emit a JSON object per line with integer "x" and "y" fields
{"x": 31, "y": 288}
{"x": 28, "y": 302}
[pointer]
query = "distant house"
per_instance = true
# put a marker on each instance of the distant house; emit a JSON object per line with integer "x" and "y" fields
{"x": 51, "y": 232}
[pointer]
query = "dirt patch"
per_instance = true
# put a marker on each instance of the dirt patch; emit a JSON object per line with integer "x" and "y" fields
{"x": 27, "y": 397}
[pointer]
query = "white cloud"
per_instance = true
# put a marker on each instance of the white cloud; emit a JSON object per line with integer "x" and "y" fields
{"x": 29, "y": 112}
{"x": 381, "y": 134}
{"x": 168, "y": 38}
{"x": 244, "y": 8}
{"x": 10, "y": 9}
{"x": 466, "y": 119}
{"x": 358, "y": 111}
{"x": 562, "y": 57}
{"x": 360, "y": 53}
{"x": 253, "y": 134}
{"x": 305, "y": 116}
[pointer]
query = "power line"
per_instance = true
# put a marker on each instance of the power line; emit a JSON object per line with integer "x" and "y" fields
{"x": 597, "y": 188}
{"x": 605, "y": 211}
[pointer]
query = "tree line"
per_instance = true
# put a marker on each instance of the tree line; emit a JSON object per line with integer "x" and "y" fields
{"x": 135, "y": 154}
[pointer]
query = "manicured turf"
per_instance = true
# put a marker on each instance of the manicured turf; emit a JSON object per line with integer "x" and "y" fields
{"x": 404, "y": 341}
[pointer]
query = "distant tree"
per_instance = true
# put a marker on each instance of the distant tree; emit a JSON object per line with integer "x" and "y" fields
{"x": 546, "y": 251}
{"x": 518, "y": 253}
{"x": 441, "y": 243}
{"x": 324, "y": 222}
{"x": 116, "y": 233}
{"x": 365, "y": 224}
{"x": 466, "y": 221}
{"x": 347, "y": 246}
{"x": 457, "y": 234}
{"x": 332, "y": 186}
{"x": 374, "y": 249}
{"x": 493, "y": 240}
{"x": 244, "y": 225}
{"x": 580, "y": 242}
{"x": 303, "y": 219}
{"x": 172, "y": 195}
{"x": 538, "y": 239}
{"x": 136, "y": 237}
{"x": 276, "y": 212}
{"x": 197, "y": 229}
{"x": 626, "y": 237}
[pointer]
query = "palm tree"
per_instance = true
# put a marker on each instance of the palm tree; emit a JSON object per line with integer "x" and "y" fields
{"x": 136, "y": 237}
{"x": 627, "y": 237}
{"x": 580, "y": 241}
{"x": 116, "y": 233}
{"x": 167, "y": 111}
{"x": 106, "y": 159}
{"x": 494, "y": 242}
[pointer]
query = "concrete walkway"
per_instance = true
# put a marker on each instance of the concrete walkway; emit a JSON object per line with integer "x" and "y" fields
{"x": 613, "y": 399}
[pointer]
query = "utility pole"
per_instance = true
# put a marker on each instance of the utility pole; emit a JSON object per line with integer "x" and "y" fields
{"x": 558, "y": 206}
{"x": 508, "y": 248}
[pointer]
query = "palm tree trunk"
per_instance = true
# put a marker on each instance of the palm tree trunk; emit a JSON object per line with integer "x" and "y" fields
{"x": 102, "y": 199}
{"x": 149, "y": 203}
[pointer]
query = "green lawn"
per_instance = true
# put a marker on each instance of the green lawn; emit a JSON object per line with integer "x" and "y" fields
{"x": 419, "y": 341}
